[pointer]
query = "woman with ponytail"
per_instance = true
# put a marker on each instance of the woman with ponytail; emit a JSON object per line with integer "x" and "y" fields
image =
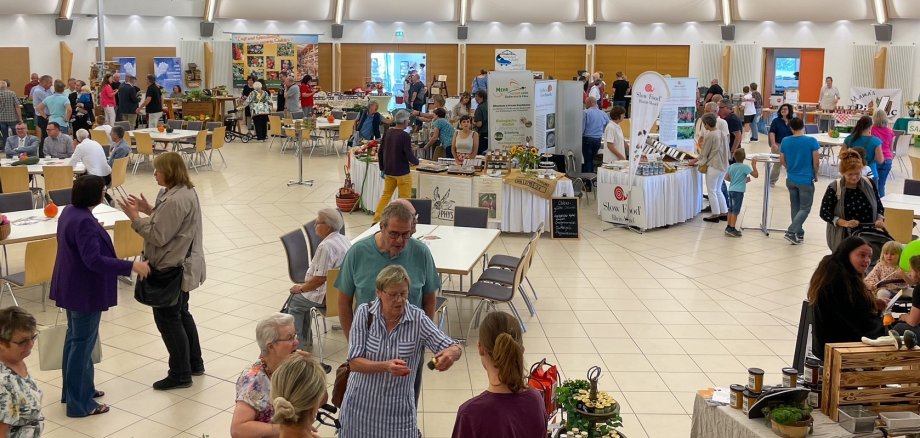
{"x": 298, "y": 391}
{"x": 851, "y": 201}
{"x": 508, "y": 408}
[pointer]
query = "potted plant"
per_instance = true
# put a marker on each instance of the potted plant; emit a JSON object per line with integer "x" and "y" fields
{"x": 567, "y": 398}
{"x": 790, "y": 421}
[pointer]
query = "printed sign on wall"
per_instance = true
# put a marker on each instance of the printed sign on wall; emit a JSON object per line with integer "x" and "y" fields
{"x": 510, "y": 59}
{"x": 271, "y": 57}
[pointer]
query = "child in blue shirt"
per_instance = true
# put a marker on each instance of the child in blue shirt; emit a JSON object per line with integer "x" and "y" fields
{"x": 737, "y": 176}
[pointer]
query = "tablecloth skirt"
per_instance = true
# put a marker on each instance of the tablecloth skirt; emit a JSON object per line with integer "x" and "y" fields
{"x": 667, "y": 199}
{"x": 523, "y": 211}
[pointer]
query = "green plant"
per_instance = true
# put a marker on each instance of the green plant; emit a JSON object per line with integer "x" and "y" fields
{"x": 565, "y": 398}
{"x": 197, "y": 96}
{"x": 528, "y": 158}
{"x": 785, "y": 414}
{"x": 358, "y": 108}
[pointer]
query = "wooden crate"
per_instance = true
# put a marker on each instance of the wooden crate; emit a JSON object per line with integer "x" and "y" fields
{"x": 858, "y": 374}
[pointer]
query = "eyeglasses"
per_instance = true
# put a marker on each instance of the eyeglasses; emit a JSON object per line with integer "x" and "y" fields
{"x": 25, "y": 341}
{"x": 292, "y": 338}
{"x": 396, "y": 236}
{"x": 397, "y": 295}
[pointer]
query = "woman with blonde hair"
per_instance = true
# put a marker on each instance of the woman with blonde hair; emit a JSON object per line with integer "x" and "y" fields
{"x": 172, "y": 235}
{"x": 298, "y": 391}
{"x": 881, "y": 131}
{"x": 508, "y": 407}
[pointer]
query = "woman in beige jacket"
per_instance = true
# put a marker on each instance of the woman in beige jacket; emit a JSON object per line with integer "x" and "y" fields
{"x": 714, "y": 158}
{"x": 172, "y": 235}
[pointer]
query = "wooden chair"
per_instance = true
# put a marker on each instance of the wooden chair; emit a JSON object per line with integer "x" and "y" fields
{"x": 218, "y": 138}
{"x": 144, "y": 145}
{"x": 900, "y": 223}
{"x": 346, "y": 130}
{"x": 174, "y": 124}
{"x": 330, "y": 311}
{"x": 100, "y": 137}
{"x": 58, "y": 177}
{"x": 14, "y": 179}
{"x": 119, "y": 175}
{"x": 201, "y": 145}
{"x": 914, "y": 167}
{"x": 128, "y": 244}
{"x": 39, "y": 264}
{"x": 274, "y": 129}
{"x": 211, "y": 126}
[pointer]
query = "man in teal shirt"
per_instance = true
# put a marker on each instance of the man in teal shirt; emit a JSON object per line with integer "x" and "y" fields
{"x": 393, "y": 244}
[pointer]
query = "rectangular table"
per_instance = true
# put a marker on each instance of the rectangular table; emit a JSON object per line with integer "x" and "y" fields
{"x": 456, "y": 250}
{"x": 654, "y": 201}
{"x": 37, "y": 169}
{"x": 903, "y": 202}
{"x": 28, "y": 225}
{"x": 828, "y": 165}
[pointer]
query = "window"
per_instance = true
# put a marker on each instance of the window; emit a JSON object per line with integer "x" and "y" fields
{"x": 787, "y": 74}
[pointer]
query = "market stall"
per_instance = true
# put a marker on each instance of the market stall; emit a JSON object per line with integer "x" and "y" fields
{"x": 655, "y": 200}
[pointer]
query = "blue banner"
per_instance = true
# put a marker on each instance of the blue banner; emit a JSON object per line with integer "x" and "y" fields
{"x": 169, "y": 73}
{"x": 128, "y": 66}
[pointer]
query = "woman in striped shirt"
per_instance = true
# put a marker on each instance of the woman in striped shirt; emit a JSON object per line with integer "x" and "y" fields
{"x": 388, "y": 334}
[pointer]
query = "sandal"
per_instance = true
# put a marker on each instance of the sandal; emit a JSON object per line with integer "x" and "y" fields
{"x": 98, "y": 394}
{"x": 101, "y": 409}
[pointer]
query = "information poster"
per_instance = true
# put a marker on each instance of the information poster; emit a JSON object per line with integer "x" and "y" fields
{"x": 272, "y": 57}
{"x": 510, "y": 108}
{"x": 128, "y": 66}
{"x": 678, "y": 114}
{"x": 445, "y": 192}
{"x": 544, "y": 114}
{"x": 888, "y": 99}
{"x": 510, "y": 59}
{"x": 487, "y": 193}
{"x": 168, "y": 72}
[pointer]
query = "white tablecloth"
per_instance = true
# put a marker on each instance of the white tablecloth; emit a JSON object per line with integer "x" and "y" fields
{"x": 367, "y": 181}
{"x": 523, "y": 211}
{"x": 655, "y": 201}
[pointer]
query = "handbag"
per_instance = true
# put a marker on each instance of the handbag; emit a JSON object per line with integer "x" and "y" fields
{"x": 342, "y": 373}
{"x": 544, "y": 377}
{"x": 51, "y": 346}
{"x": 162, "y": 287}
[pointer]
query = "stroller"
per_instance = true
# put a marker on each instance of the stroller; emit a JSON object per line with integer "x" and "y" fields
{"x": 875, "y": 237}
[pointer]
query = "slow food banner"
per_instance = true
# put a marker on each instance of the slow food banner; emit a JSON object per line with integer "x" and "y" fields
{"x": 649, "y": 92}
{"x": 888, "y": 99}
{"x": 510, "y": 108}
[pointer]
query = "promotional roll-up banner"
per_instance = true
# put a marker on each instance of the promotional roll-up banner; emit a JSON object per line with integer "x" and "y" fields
{"x": 511, "y": 97}
{"x": 168, "y": 72}
{"x": 649, "y": 92}
{"x": 544, "y": 114}
{"x": 888, "y": 99}
{"x": 127, "y": 66}
{"x": 678, "y": 114}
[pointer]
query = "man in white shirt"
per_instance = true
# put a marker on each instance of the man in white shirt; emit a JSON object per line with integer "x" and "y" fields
{"x": 749, "y": 112}
{"x": 614, "y": 141}
{"x": 827, "y": 101}
{"x": 90, "y": 153}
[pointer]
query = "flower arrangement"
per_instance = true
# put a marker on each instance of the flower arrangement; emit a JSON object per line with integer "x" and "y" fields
{"x": 200, "y": 117}
{"x": 197, "y": 96}
{"x": 912, "y": 107}
{"x": 527, "y": 158}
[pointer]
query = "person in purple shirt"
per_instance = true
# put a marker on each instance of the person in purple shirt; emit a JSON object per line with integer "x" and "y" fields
{"x": 84, "y": 283}
{"x": 508, "y": 408}
{"x": 395, "y": 156}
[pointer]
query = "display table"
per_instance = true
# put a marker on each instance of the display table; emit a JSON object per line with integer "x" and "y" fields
{"x": 512, "y": 209}
{"x": 655, "y": 201}
{"x": 724, "y": 421}
{"x": 901, "y": 123}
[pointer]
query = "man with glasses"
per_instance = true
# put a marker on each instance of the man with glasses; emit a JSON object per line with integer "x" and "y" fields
{"x": 312, "y": 293}
{"x": 393, "y": 244}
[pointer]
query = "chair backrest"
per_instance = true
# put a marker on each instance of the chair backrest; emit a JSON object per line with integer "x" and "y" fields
{"x": 127, "y": 242}
{"x": 174, "y": 124}
{"x": 423, "y": 209}
{"x": 144, "y": 143}
{"x": 534, "y": 241}
{"x": 60, "y": 196}
{"x": 914, "y": 167}
{"x": 18, "y": 201}
{"x": 100, "y": 136}
{"x": 911, "y": 187}
{"x": 124, "y": 125}
{"x": 900, "y": 223}
{"x": 14, "y": 179}
{"x": 338, "y": 114}
{"x": 119, "y": 172}
{"x": 312, "y": 237}
{"x": 194, "y": 126}
{"x": 521, "y": 269}
{"x": 811, "y": 129}
{"x": 297, "y": 115}
{"x": 58, "y": 177}
{"x": 346, "y": 129}
{"x": 902, "y": 145}
{"x": 210, "y": 126}
{"x": 218, "y": 137}
{"x": 332, "y": 294}
{"x": 569, "y": 162}
{"x": 352, "y": 115}
{"x": 274, "y": 125}
{"x": 201, "y": 141}
{"x": 295, "y": 246}
{"x": 40, "y": 258}
{"x": 472, "y": 217}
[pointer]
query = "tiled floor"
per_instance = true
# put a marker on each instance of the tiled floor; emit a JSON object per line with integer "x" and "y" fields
{"x": 663, "y": 313}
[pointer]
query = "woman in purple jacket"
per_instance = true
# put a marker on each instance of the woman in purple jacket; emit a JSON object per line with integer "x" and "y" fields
{"x": 85, "y": 284}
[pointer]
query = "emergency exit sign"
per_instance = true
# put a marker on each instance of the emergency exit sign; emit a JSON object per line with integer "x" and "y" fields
{"x": 400, "y": 34}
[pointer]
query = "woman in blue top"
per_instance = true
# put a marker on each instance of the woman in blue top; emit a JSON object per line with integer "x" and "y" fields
{"x": 862, "y": 137}
{"x": 443, "y": 131}
{"x": 368, "y": 124}
{"x": 779, "y": 129}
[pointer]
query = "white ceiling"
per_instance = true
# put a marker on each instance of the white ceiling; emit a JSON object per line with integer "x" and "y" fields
{"x": 154, "y": 8}
{"x": 407, "y": 11}
{"x": 803, "y": 10}
{"x": 280, "y": 10}
{"x": 904, "y": 9}
{"x": 665, "y": 11}
{"x": 526, "y": 11}
{"x": 12, "y": 7}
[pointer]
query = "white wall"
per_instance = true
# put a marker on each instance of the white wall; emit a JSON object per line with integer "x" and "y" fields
{"x": 836, "y": 38}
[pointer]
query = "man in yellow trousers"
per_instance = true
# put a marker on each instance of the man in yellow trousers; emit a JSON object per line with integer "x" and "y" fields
{"x": 395, "y": 156}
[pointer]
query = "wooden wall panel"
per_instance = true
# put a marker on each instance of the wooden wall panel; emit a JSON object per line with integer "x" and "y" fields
{"x": 144, "y": 57}
{"x": 674, "y": 61}
{"x": 15, "y": 67}
{"x": 558, "y": 61}
{"x": 325, "y": 66}
{"x": 569, "y": 59}
{"x": 633, "y": 60}
{"x": 442, "y": 60}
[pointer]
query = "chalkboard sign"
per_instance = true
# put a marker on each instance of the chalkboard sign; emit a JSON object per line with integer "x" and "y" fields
{"x": 564, "y": 218}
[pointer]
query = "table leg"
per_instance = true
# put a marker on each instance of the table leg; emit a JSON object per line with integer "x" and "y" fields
{"x": 298, "y": 141}
{"x": 765, "y": 216}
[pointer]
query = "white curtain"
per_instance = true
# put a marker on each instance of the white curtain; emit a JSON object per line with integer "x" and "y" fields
{"x": 191, "y": 51}
{"x": 862, "y": 72}
{"x": 223, "y": 72}
{"x": 708, "y": 64}
{"x": 899, "y": 71}
{"x": 745, "y": 68}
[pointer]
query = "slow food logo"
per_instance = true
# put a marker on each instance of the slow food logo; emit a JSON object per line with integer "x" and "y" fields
{"x": 620, "y": 194}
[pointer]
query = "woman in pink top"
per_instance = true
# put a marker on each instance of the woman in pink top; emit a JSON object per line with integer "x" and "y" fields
{"x": 881, "y": 130}
{"x": 107, "y": 100}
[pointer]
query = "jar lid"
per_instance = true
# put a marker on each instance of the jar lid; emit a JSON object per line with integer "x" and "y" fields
{"x": 756, "y": 371}
{"x": 737, "y": 387}
{"x": 790, "y": 371}
{"x": 812, "y": 362}
{"x": 749, "y": 393}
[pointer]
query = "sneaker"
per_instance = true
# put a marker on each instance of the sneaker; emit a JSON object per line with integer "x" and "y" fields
{"x": 171, "y": 383}
{"x": 792, "y": 239}
{"x": 711, "y": 219}
{"x": 728, "y": 232}
{"x": 800, "y": 238}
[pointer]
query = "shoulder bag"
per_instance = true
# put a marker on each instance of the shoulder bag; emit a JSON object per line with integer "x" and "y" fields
{"x": 162, "y": 287}
{"x": 51, "y": 347}
{"x": 344, "y": 370}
